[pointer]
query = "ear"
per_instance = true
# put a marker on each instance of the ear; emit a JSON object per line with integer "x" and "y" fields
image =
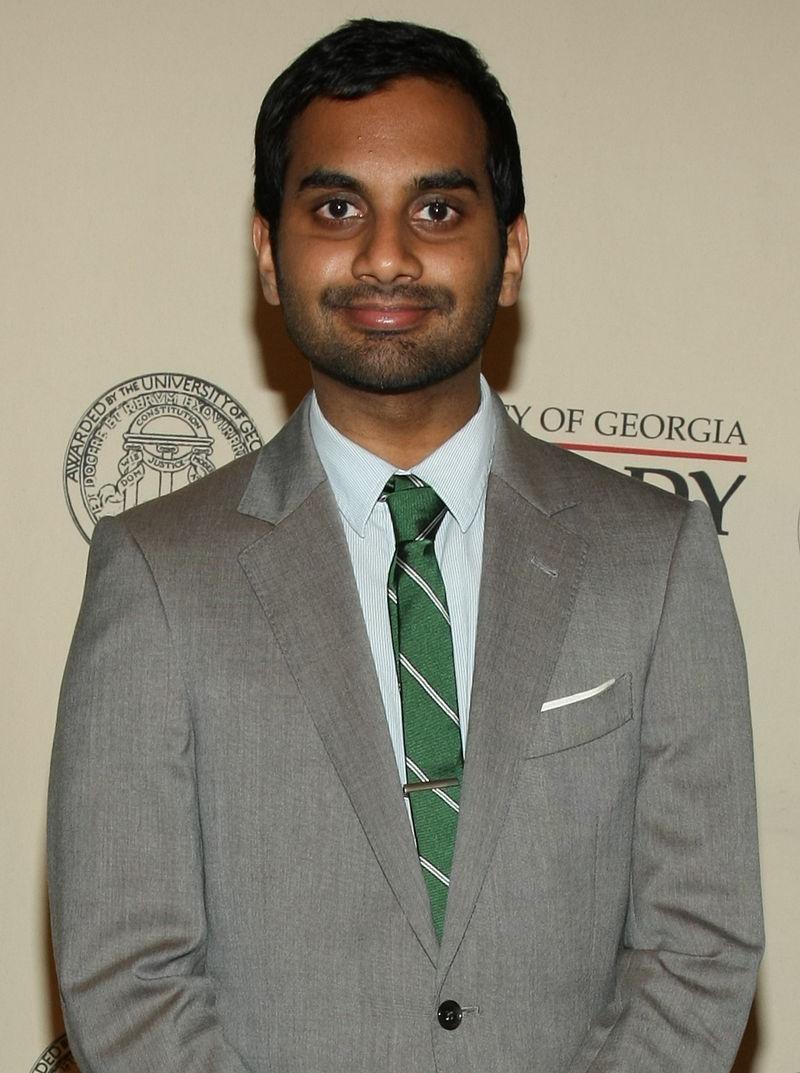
{"x": 266, "y": 262}
{"x": 517, "y": 236}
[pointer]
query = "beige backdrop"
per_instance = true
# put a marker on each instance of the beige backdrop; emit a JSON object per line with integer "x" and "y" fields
{"x": 661, "y": 153}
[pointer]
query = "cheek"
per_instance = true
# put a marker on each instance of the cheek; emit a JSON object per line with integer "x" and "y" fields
{"x": 309, "y": 266}
{"x": 466, "y": 266}
{"x": 467, "y": 276}
{"x": 454, "y": 267}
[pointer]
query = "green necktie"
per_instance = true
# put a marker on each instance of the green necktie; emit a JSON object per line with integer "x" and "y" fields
{"x": 423, "y": 648}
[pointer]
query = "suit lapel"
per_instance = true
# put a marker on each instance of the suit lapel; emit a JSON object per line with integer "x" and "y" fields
{"x": 531, "y": 569}
{"x": 300, "y": 570}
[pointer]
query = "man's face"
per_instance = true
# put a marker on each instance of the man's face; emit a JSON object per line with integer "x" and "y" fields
{"x": 388, "y": 254}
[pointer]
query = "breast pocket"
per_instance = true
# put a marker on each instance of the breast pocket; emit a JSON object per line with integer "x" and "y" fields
{"x": 579, "y": 718}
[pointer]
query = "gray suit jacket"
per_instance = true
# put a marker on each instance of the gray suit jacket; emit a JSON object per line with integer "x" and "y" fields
{"x": 233, "y": 878}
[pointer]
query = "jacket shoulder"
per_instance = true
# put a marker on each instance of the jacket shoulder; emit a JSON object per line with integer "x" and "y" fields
{"x": 198, "y": 512}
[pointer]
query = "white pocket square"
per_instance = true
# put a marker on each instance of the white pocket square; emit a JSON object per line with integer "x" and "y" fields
{"x": 573, "y": 698}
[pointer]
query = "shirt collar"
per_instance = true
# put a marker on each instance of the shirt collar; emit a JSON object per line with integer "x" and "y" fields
{"x": 458, "y": 470}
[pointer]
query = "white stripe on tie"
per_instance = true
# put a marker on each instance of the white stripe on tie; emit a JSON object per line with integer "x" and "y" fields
{"x": 412, "y": 670}
{"x": 423, "y": 584}
{"x": 424, "y": 778}
{"x": 431, "y": 525}
{"x": 434, "y": 871}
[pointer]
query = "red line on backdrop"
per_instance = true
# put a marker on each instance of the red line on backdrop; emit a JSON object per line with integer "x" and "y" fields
{"x": 650, "y": 451}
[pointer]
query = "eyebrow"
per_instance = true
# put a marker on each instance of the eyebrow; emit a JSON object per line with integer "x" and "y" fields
{"x": 325, "y": 179}
{"x": 455, "y": 179}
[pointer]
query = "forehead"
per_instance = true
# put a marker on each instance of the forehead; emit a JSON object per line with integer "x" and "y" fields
{"x": 411, "y": 126}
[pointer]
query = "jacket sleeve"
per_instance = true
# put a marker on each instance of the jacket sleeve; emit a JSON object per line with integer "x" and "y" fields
{"x": 124, "y": 844}
{"x": 686, "y": 970}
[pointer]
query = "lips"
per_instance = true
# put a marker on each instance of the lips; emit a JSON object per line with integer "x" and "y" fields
{"x": 385, "y": 318}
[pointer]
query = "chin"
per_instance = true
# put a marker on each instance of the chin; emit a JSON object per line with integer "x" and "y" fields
{"x": 397, "y": 378}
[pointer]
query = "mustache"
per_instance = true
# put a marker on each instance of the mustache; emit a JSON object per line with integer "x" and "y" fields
{"x": 417, "y": 294}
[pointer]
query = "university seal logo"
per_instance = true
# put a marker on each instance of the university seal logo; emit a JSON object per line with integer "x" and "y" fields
{"x": 148, "y": 436}
{"x": 56, "y": 1059}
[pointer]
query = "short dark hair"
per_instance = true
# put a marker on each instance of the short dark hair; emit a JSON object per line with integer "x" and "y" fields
{"x": 363, "y": 56}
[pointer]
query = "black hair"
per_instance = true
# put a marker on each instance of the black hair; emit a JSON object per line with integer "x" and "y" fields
{"x": 363, "y": 56}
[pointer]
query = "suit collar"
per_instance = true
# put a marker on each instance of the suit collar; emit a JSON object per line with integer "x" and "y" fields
{"x": 538, "y": 471}
{"x": 288, "y": 468}
{"x": 301, "y": 573}
{"x": 532, "y": 566}
{"x": 286, "y": 472}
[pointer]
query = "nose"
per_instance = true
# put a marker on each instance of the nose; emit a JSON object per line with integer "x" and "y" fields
{"x": 387, "y": 254}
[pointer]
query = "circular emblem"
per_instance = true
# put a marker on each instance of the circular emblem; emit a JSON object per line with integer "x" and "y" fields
{"x": 148, "y": 436}
{"x": 56, "y": 1059}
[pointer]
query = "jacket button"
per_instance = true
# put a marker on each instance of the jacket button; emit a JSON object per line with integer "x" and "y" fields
{"x": 449, "y": 1015}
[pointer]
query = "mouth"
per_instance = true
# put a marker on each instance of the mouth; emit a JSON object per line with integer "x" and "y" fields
{"x": 374, "y": 317}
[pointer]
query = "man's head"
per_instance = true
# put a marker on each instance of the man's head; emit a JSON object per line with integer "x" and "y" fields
{"x": 388, "y": 206}
{"x": 362, "y": 57}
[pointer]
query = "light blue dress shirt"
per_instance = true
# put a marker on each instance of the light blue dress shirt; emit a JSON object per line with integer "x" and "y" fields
{"x": 458, "y": 471}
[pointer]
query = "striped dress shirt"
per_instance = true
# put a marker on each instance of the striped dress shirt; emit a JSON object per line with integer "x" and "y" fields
{"x": 458, "y": 471}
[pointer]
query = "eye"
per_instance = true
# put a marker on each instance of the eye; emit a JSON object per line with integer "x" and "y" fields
{"x": 338, "y": 208}
{"x": 437, "y": 212}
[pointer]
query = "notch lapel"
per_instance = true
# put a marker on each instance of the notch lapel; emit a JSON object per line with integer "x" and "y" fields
{"x": 532, "y": 566}
{"x": 301, "y": 573}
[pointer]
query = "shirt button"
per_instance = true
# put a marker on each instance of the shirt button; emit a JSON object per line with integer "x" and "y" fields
{"x": 449, "y": 1015}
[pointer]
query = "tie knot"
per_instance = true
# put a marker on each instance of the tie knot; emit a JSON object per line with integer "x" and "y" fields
{"x": 415, "y": 508}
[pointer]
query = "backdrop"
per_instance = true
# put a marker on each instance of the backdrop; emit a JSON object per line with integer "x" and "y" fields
{"x": 657, "y": 332}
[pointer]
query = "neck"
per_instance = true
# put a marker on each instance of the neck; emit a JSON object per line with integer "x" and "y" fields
{"x": 402, "y": 428}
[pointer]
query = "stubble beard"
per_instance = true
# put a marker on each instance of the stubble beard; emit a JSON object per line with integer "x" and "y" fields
{"x": 391, "y": 362}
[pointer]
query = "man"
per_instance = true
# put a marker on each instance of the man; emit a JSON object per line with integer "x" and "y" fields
{"x": 496, "y": 816}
